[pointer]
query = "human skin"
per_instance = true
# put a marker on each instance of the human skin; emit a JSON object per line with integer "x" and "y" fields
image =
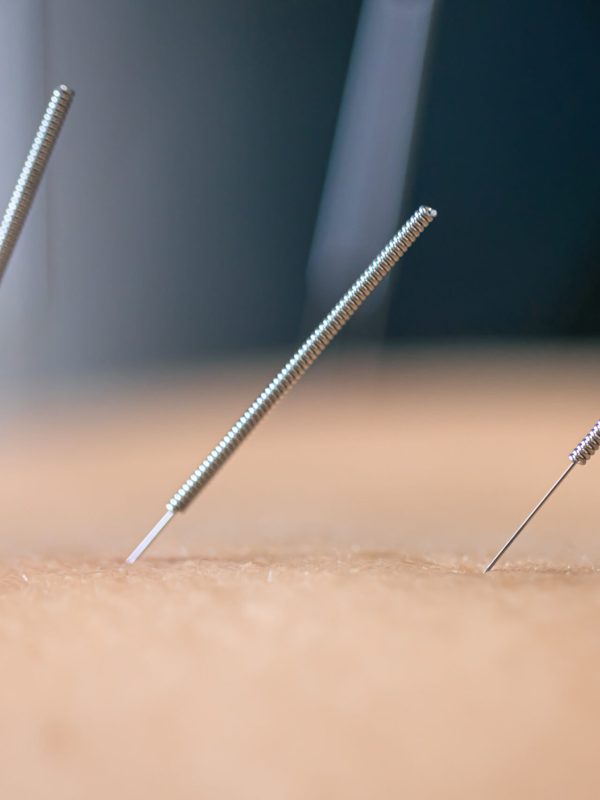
{"x": 316, "y": 624}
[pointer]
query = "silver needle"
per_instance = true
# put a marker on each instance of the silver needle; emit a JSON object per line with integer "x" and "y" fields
{"x": 580, "y": 455}
{"x": 293, "y": 370}
{"x": 150, "y": 537}
{"x": 525, "y": 522}
{"x": 31, "y": 174}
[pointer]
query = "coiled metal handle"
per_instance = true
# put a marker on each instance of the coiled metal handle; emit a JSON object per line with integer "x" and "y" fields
{"x": 304, "y": 357}
{"x": 31, "y": 174}
{"x": 587, "y": 446}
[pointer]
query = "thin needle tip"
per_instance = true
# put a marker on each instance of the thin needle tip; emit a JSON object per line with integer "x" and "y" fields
{"x": 528, "y": 519}
{"x": 149, "y": 538}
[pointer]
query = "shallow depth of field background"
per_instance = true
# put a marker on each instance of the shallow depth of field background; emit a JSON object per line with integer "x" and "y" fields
{"x": 186, "y": 213}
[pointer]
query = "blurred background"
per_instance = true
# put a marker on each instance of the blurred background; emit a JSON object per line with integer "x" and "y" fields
{"x": 227, "y": 168}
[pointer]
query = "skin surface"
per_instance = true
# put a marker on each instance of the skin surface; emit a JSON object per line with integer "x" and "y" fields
{"x": 316, "y": 624}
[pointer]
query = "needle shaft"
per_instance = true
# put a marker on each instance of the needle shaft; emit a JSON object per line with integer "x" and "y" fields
{"x": 526, "y": 521}
{"x": 295, "y": 368}
{"x": 31, "y": 174}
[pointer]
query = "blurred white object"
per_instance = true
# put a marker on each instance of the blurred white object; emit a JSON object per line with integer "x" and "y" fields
{"x": 364, "y": 188}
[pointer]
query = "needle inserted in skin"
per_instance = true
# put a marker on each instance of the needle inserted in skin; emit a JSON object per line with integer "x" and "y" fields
{"x": 581, "y": 455}
{"x": 526, "y": 521}
{"x": 150, "y": 537}
{"x": 293, "y": 370}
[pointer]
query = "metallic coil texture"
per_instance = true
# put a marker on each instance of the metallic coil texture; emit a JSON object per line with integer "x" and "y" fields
{"x": 31, "y": 174}
{"x": 587, "y": 446}
{"x": 304, "y": 357}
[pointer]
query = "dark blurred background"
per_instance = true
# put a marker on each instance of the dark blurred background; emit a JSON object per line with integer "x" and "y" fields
{"x": 227, "y": 168}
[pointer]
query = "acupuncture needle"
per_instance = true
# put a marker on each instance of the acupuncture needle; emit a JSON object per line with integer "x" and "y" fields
{"x": 306, "y": 355}
{"x": 32, "y": 172}
{"x": 580, "y": 455}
